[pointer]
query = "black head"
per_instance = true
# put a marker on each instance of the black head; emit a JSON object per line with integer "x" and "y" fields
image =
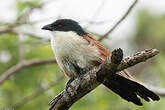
{"x": 65, "y": 25}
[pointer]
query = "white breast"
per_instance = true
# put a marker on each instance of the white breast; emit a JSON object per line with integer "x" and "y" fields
{"x": 74, "y": 47}
{"x": 62, "y": 42}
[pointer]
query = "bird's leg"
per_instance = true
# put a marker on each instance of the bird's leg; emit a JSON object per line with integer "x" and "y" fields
{"x": 68, "y": 83}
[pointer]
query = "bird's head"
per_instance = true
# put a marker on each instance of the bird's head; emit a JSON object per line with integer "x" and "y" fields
{"x": 65, "y": 25}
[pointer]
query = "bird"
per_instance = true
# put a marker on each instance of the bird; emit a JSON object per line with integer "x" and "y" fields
{"x": 77, "y": 52}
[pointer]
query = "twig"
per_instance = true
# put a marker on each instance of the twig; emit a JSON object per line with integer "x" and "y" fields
{"x": 23, "y": 19}
{"x": 86, "y": 83}
{"x": 4, "y": 31}
{"x": 157, "y": 90}
{"x": 22, "y": 65}
{"x": 122, "y": 18}
{"x": 95, "y": 15}
{"x": 32, "y": 35}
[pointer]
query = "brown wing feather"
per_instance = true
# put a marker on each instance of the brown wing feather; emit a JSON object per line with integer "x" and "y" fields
{"x": 103, "y": 52}
{"x": 122, "y": 83}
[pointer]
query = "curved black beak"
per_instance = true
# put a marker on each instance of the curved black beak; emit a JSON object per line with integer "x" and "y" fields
{"x": 47, "y": 27}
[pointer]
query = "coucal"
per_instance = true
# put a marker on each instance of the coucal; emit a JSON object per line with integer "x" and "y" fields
{"x": 77, "y": 52}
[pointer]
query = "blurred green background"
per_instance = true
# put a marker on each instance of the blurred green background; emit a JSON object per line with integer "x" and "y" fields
{"x": 31, "y": 88}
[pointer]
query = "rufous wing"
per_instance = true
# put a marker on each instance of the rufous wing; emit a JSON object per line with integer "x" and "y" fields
{"x": 104, "y": 53}
{"x": 122, "y": 83}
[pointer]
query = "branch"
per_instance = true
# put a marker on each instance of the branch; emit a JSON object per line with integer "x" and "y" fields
{"x": 12, "y": 31}
{"x": 22, "y": 19}
{"x": 96, "y": 14}
{"x": 159, "y": 91}
{"x": 22, "y": 65}
{"x": 122, "y": 18}
{"x": 89, "y": 81}
{"x": 31, "y": 35}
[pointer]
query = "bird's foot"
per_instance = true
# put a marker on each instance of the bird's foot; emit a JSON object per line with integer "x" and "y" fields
{"x": 68, "y": 83}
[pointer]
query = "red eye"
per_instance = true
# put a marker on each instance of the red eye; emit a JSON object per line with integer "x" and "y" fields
{"x": 59, "y": 25}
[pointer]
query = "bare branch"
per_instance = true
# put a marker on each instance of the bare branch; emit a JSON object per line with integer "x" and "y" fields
{"x": 157, "y": 90}
{"x": 95, "y": 15}
{"x": 22, "y": 65}
{"x": 137, "y": 58}
{"x": 122, "y": 18}
{"x": 86, "y": 83}
{"x": 7, "y": 30}
{"x": 23, "y": 19}
{"x": 31, "y": 35}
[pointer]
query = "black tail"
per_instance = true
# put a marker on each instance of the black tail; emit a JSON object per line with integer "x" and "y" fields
{"x": 129, "y": 89}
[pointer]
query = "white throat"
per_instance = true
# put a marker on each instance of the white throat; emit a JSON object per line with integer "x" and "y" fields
{"x": 63, "y": 41}
{"x": 63, "y": 34}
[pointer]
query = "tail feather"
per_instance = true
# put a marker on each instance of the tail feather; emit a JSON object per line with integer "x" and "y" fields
{"x": 124, "y": 93}
{"x": 129, "y": 89}
{"x": 136, "y": 87}
{"x": 144, "y": 97}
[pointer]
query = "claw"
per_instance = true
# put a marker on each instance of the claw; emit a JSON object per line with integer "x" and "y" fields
{"x": 68, "y": 83}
